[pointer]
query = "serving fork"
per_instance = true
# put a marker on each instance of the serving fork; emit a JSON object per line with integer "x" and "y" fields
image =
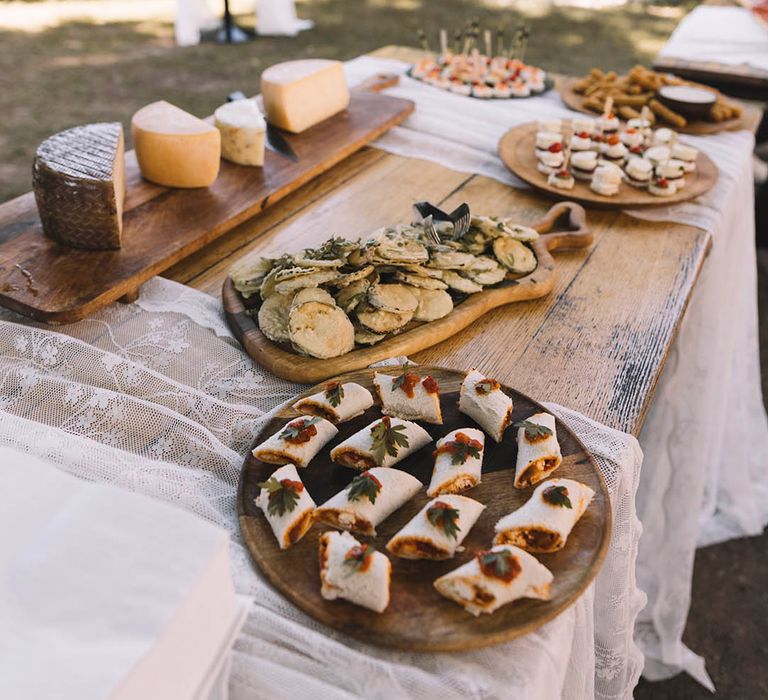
{"x": 460, "y": 219}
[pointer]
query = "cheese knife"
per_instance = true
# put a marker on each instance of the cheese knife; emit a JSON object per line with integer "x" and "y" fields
{"x": 274, "y": 141}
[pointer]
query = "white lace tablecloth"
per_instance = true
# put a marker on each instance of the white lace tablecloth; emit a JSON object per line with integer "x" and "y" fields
{"x": 155, "y": 397}
{"x": 705, "y": 476}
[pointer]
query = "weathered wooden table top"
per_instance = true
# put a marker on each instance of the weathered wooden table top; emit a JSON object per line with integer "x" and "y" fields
{"x": 597, "y": 344}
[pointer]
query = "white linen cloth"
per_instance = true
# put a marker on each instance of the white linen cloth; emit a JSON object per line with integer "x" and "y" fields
{"x": 706, "y": 435}
{"x": 729, "y": 35}
{"x": 155, "y": 397}
{"x": 88, "y": 609}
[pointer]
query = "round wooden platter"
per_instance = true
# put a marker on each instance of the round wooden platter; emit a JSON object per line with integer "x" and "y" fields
{"x": 418, "y": 617}
{"x": 563, "y": 226}
{"x": 699, "y": 127}
{"x": 517, "y": 149}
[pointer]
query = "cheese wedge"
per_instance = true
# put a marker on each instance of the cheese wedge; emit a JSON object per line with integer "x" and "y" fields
{"x": 300, "y": 94}
{"x": 242, "y": 130}
{"x": 79, "y": 181}
{"x": 175, "y": 148}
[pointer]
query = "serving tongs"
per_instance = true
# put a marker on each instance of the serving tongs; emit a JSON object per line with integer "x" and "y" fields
{"x": 459, "y": 219}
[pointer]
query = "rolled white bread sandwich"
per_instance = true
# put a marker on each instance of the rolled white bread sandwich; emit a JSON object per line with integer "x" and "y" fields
{"x": 437, "y": 529}
{"x": 369, "y": 499}
{"x": 543, "y": 524}
{"x": 495, "y": 577}
{"x": 381, "y": 444}
{"x": 409, "y": 396}
{"x": 458, "y": 461}
{"x": 297, "y": 442}
{"x": 538, "y": 451}
{"x": 337, "y": 402}
{"x": 353, "y": 571}
{"x": 482, "y": 399}
{"x": 287, "y": 505}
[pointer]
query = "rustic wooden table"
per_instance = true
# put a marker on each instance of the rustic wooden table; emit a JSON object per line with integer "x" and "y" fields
{"x": 597, "y": 344}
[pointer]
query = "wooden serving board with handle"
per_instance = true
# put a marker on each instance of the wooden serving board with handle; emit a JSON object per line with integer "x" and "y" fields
{"x": 563, "y": 226}
{"x": 418, "y": 618}
{"x": 57, "y": 284}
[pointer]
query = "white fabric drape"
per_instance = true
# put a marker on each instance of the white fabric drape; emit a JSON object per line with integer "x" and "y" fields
{"x": 706, "y": 437}
{"x": 155, "y": 397}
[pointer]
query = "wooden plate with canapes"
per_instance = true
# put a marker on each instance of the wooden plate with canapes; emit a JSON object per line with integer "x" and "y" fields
{"x": 696, "y": 126}
{"x": 517, "y": 149}
{"x": 563, "y": 226}
{"x": 418, "y": 618}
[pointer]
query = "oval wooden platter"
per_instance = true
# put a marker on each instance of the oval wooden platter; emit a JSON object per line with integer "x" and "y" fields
{"x": 418, "y": 618}
{"x": 699, "y": 127}
{"x": 563, "y": 226}
{"x": 517, "y": 149}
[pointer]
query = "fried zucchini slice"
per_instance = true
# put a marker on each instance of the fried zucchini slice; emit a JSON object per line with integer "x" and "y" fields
{"x": 420, "y": 281}
{"x": 320, "y": 330}
{"x": 451, "y": 260}
{"x": 514, "y": 255}
{"x": 273, "y": 317}
{"x": 313, "y": 294}
{"x": 380, "y": 321}
{"x": 397, "y": 298}
{"x": 350, "y": 296}
{"x": 366, "y": 337}
{"x": 313, "y": 278}
{"x": 433, "y": 304}
{"x": 461, "y": 284}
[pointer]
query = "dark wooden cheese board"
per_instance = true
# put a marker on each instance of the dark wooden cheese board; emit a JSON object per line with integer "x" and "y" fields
{"x": 57, "y": 284}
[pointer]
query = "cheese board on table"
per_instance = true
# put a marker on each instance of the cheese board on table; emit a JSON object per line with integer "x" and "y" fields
{"x": 517, "y": 150}
{"x": 406, "y": 611}
{"x": 563, "y": 226}
{"x": 51, "y": 281}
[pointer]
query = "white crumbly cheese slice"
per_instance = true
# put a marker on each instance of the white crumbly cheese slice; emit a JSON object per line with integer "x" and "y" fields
{"x": 423, "y": 405}
{"x": 368, "y": 588}
{"x": 362, "y": 515}
{"x": 357, "y": 450}
{"x": 355, "y": 401}
{"x": 276, "y": 450}
{"x": 537, "y": 459}
{"x": 541, "y": 526}
{"x": 175, "y": 148}
{"x": 491, "y": 411}
{"x": 420, "y": 539}
{"x": 448, "y": 477}
{"x": 300, "y": 94}
{"x": 479, "y": 593}
{"x": 292, "y": 525}
{"x": 242, "y": 128}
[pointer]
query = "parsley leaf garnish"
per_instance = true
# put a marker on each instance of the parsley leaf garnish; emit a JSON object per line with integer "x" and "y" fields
{"x": 501, "y": 564}
{"x": 283, "y": 495}
{"x": 365, "y": 485}
{"x": 334, "y": 392}
{"x": 557, "y": 496}
{"x": 534, "y": 431}
{"x": 444, "y": 516}
{"x": 295, "y": 428}
{"x": 356, "y": 559}
{"x": 387, "y": 439}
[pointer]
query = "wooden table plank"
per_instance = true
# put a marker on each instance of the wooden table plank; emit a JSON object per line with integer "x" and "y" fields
{"x": 597, "y": 344}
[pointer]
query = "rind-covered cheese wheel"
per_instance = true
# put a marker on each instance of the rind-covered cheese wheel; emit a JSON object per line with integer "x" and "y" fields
{"x": 175, "y": 148}
{"x": 79, "y": 182}
{"x": 300, "y": 94}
